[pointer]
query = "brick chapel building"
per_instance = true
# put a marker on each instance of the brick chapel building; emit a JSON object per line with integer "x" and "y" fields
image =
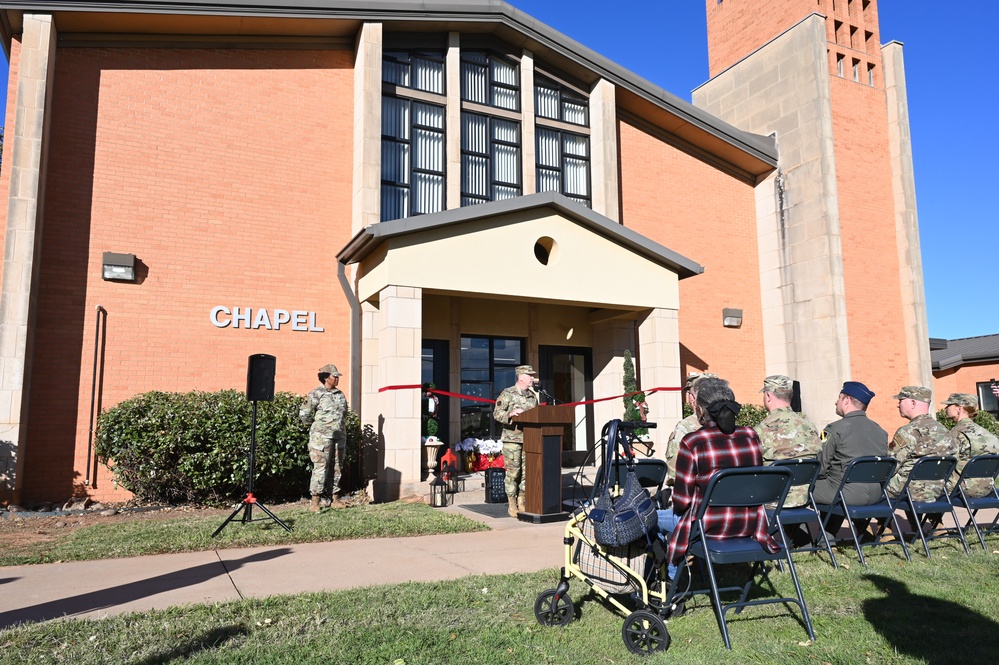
{"x": 440, "y": 191}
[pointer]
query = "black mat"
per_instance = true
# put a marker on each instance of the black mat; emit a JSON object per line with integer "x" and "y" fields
{"x": 496, "y": 510}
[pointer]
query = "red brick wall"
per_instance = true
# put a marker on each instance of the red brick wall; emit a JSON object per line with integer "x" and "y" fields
{"x": 961, "y": 380}
{"x": 736, "y": 28}
{"x": 228, "y": 174}
{"x": 709, "y": 217}
{"x": 878, "y": 354}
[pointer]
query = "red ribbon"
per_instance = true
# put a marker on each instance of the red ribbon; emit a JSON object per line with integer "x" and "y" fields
{"x": 492, "y": 401}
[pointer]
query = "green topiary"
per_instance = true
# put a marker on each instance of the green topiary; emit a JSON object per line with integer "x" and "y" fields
{"x": 192, "y": 447}
{"x": 983, "y": 418}
{"x": 631, "y": 386}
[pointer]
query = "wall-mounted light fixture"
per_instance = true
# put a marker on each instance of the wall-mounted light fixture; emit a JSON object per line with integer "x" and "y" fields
{"x": 731, "y": 318}
{"x": 119, "y": 267}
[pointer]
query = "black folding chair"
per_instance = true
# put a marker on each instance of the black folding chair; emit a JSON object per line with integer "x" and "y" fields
{"x": 932, "y": 468}
{"x": 804, "y": 472}
{"x": 873, "y": 470}
{"x": 981, "y": 466}
{"x": 744, "y": 487}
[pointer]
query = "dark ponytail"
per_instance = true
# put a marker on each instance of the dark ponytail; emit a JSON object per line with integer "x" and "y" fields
{"x": 724, "y": 413}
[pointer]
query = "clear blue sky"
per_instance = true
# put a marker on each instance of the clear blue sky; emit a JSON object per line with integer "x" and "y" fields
{"x": 952, "y": 100}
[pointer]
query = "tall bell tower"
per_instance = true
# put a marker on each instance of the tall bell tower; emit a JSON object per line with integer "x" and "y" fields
{"x": 841, "y": 269}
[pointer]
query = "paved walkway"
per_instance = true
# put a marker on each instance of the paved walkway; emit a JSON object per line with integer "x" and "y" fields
{"x": 114, "y": 586}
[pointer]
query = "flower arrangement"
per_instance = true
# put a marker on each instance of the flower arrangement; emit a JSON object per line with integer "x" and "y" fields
{"x": 480, "y": 446}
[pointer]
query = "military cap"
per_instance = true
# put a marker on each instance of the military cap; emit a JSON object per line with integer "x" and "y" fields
{"x": 526, "y": 369}
{"x": 962, "y": 399}
{"x": 777, "y": 382}
{"x": 858, "y": 391}
{"x": 693, "y": 378}
{"x": 329, "y": 369}
{"x": 918, "y": 393}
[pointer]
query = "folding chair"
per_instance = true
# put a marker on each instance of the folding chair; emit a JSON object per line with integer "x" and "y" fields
{"x": 873, "y": 470}
{"x": 935, "y": 468}
{"x": 804, "y": 472}
{"x": 982, "y": 466}
{"x": 743, "y": 487}
{"x": 651, "y": 474}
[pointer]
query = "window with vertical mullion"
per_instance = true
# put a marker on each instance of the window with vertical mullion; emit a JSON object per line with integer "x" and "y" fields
{"x": 563, "y": 164}
{"x": 487, "y": 78}
{"x": 556, "y": 101}
{"x": 490, "y": 159}
{"x": 412, "y": 158}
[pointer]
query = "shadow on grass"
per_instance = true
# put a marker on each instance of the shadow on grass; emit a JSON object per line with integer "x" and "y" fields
{"x": 930, "y": 629}
{"x": 123, "y": 594}
{"x": 212, "y": 639}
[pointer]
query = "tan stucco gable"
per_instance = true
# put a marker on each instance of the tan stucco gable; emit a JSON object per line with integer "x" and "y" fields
{"x": 497, "y": 250}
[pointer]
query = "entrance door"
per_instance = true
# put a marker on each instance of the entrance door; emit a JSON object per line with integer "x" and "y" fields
{"x": 566, "y": 373}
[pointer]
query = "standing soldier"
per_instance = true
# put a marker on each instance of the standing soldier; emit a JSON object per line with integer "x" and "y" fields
{"x": 325, "y": 409}
{"x": 784, "y": 433}
{"x": 969, "y": 439}
{"x": 511, "y": 403}
{"x": 685, "y": 426}
{"x": 920, "y": 437}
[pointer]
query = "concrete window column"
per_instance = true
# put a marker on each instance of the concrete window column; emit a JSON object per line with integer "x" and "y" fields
{"x": 659, "y": 352}
{"x": 603, "y": 149}
{"x": 398, "y": 328}
{"x": 452, "y": 130}
{"x": 367, "y": 127}
{"x": 25, "y": 216}
{"x": 528, "y": 146}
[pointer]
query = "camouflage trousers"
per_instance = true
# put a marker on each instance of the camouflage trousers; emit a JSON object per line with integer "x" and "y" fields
{"x": 325, "y": 451}
{"x": 513, "y": 459}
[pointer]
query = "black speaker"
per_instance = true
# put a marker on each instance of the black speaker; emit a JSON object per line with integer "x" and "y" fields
{"x": 260, "y": 378}
{"x": 796, "y": 397}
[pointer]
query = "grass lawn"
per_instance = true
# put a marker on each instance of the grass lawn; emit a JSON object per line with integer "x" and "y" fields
{"x": 124, "y": 538}
{"x": 942, "y": 610}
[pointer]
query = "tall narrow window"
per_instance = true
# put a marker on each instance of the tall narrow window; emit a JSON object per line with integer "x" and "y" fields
{"x": 490, "y": 159}
{"x": 563, "y": 154}
{"x": 555, "y": 101}
{"x": 487, "y": 78}
{"x": 413, "y": 149}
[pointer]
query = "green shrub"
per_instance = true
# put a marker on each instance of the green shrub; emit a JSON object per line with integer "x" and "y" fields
{"x": 983, "y": 418}
{"x": 751, "y": 415}
{"x": 193, "y": 447}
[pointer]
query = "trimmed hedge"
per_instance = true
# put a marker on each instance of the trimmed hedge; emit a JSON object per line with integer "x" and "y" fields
{"x": 192, "y": 447}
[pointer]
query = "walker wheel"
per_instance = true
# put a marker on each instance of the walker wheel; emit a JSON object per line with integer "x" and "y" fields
{"x": 550, "y": 609}
{"x": 645, "y": 633}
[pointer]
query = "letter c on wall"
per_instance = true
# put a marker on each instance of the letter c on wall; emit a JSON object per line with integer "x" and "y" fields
{"x": 214, "y": 316}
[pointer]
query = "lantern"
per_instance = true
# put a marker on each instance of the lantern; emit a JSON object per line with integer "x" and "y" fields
{"x": 438, "y": 493}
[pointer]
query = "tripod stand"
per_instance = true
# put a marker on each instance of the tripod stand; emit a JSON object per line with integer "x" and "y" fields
{"x": 246, "y": 505}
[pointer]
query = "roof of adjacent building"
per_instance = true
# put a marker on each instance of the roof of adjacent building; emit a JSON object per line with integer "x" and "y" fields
{"x": 746, "y": 155}
{"x": 947, "y": 354}
{"x": 370, "y": 237}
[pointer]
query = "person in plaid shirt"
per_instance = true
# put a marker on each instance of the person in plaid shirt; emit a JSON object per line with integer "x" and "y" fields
{"x": 720, "y": 444}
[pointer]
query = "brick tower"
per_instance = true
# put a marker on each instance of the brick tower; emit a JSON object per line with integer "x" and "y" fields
{"x": 841, "y": 272}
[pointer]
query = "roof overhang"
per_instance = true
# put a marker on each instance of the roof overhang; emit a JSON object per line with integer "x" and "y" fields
{"x": 542, "y": 247}
{"x": 749, "y": 156}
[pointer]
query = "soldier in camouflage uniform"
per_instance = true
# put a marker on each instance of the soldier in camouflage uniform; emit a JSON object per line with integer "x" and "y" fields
{"x": 685, "y": 426}
{"x": 922, "y": 436}
{"x": 325, "y": 409}
{"x": 969, "y": 439}
{"x": 511, "y": 403}
{"x": 785, "y": 434}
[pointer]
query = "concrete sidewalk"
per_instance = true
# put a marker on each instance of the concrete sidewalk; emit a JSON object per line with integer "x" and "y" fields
{"x": 106, "y": 587}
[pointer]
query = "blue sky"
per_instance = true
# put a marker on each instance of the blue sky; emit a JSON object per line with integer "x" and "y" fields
{"x": 952, "y": 99}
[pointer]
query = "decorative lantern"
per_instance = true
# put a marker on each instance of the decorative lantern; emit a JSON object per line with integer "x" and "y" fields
{"x": 438, "y": 493}
{"x": 450, "y": 475}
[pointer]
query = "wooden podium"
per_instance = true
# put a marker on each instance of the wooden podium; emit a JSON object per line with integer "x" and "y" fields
{"x": 544, "y": 426}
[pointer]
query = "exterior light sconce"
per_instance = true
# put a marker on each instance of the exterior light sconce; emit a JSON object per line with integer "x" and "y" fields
{"x": 118, "y": 267}
{"x": 731, "y": 318}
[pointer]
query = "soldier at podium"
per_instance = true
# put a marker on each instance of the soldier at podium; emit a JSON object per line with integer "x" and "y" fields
{"x": 511, "y": 403}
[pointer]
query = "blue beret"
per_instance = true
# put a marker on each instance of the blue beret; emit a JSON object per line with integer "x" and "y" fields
{"x": 858, "y": 391}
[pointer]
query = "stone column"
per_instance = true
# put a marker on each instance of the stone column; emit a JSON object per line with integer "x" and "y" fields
{"x": 659, "y": 353}
{"x": 603, "y": 150}
{"x": 452, "y": 130}
{"x": 366, "y": 208}
{"x": 399, "y": 330}
{"x": 910, "y": 259}
{"x": 529, "y": 163}
{"x": 610, "y": 340}
{"x": 25, "y": 217}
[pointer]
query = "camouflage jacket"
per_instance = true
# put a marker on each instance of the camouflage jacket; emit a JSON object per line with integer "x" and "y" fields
{"x": 509, "y": 400}
{"x": 922, "y": 436}
{"x": 786, "y": 434}
{"x": 325, "y": 410}
{"x": 970, "y": 439}
{"x": 682, "y": 429}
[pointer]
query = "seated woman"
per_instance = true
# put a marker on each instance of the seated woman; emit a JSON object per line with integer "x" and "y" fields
{"x": 719, "y": 444}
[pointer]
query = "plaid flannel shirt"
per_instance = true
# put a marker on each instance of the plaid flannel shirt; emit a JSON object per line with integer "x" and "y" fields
{"x": 702, "y": 453}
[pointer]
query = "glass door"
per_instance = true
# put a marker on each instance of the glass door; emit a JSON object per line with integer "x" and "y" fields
{"x": 566, "y": 373}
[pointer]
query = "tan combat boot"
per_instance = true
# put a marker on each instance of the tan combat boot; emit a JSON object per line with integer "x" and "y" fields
{"x": 521, "y": 503}
{"x": 314, "y": 508}
{"x": 512, "y": 510}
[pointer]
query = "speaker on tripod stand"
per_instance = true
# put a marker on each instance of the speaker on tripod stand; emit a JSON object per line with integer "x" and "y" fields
{"x": 259, "y": 388}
